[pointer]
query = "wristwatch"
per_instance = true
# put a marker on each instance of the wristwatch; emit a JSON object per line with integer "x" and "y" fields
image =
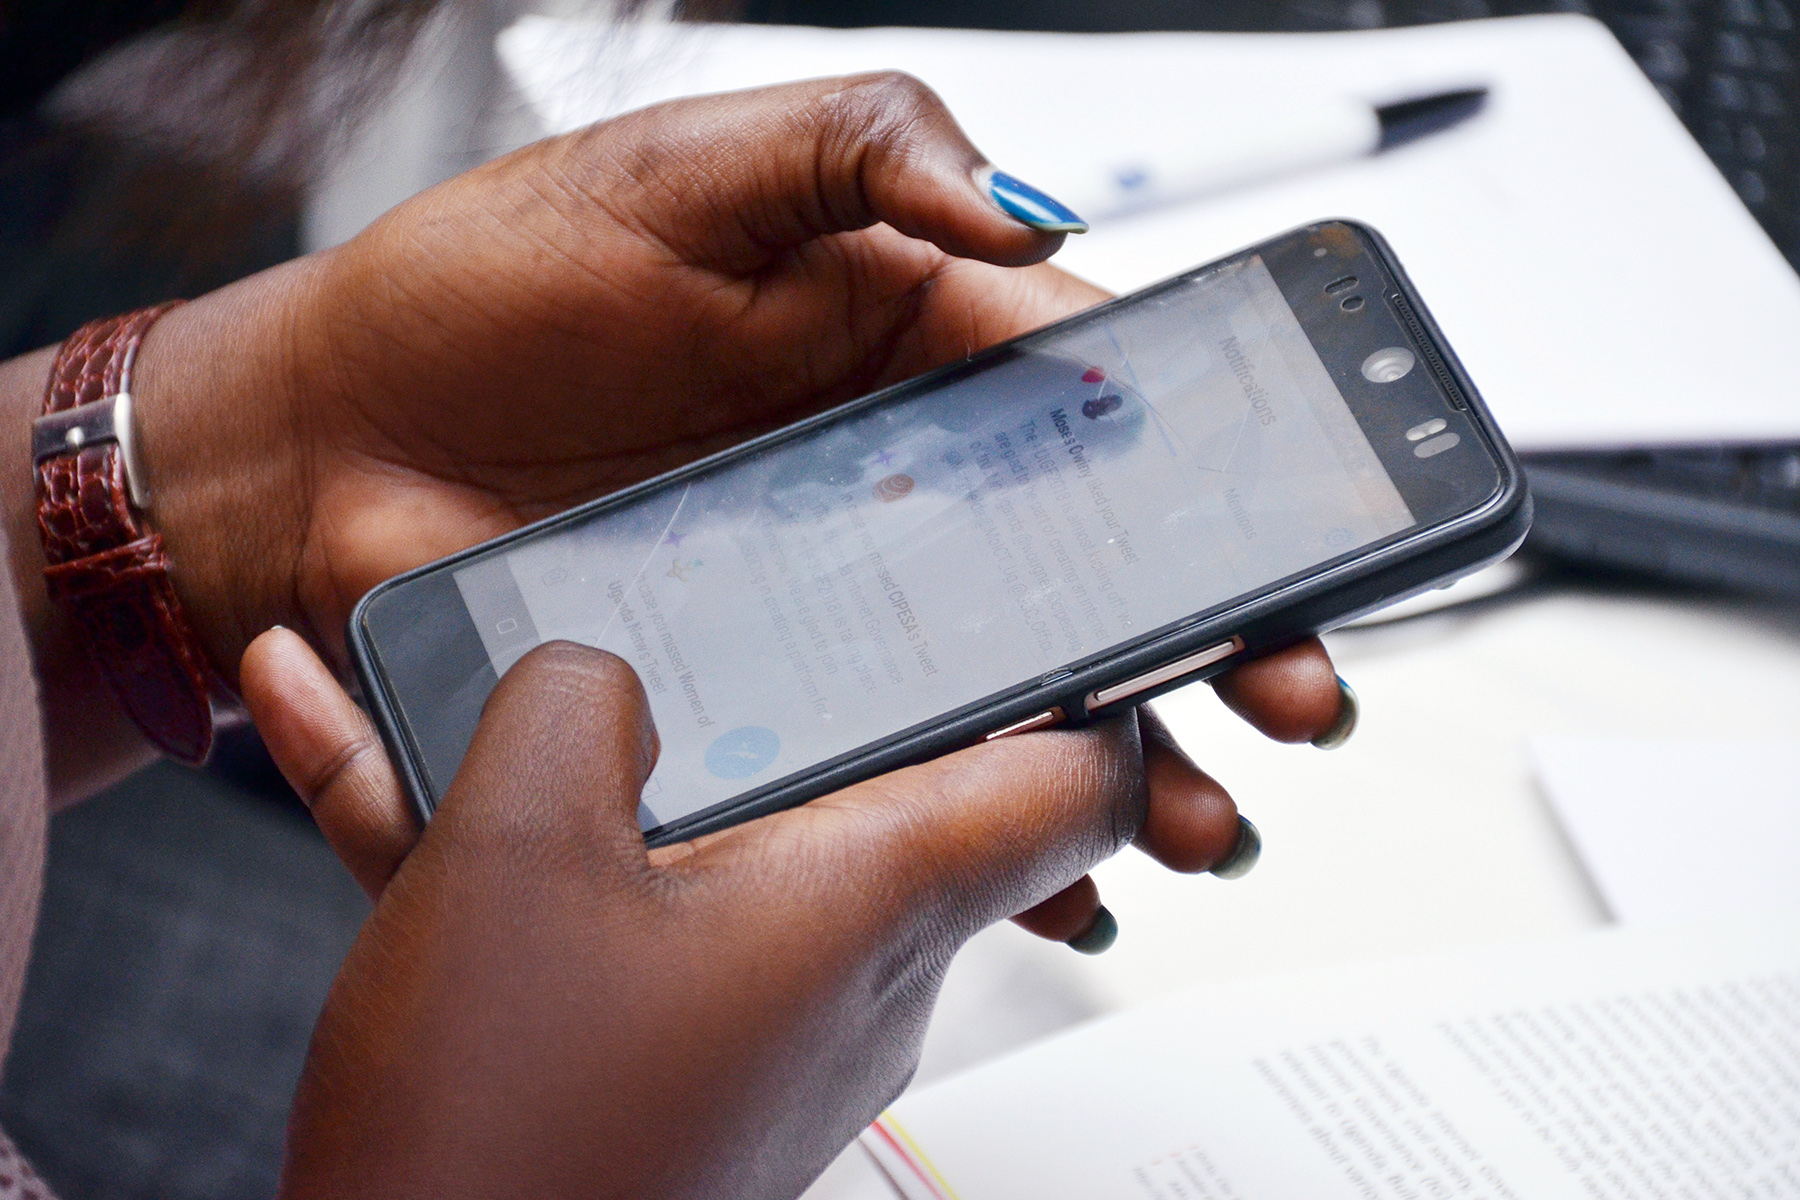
{"x": 105, "y": 564}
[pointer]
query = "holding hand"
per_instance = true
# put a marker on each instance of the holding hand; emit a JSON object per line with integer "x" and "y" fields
{"x": 539, "y": 1006}
{"x": 587, "y": 312}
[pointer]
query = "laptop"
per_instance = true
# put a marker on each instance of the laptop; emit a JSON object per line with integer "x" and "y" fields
{"x": 1724, "y": 515}
{"x": 1727, "y": 516}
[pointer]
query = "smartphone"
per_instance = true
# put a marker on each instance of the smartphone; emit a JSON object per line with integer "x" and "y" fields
{"x": 1045, "y": 533}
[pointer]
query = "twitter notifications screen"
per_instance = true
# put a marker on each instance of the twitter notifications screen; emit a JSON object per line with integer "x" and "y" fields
{"x": 846, "y": 585}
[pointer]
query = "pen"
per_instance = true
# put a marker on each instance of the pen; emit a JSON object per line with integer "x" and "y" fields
{"x": 1261, "y": 142}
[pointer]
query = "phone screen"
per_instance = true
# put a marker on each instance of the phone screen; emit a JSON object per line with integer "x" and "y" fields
{"x": 1094, "y": 484}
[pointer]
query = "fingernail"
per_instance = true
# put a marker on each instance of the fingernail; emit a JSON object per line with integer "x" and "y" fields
{"x": 1099, "y": 936}
{"x": 1244, "y": 855}
{"x": 1349, "y": 708}
{"x": 1026, "y": 205}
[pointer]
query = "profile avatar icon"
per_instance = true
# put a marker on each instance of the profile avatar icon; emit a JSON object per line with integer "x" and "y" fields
{"x": 742, "y": 752}
{"x": 1099, "y": 406}
{"x": 1106, "y": 402}
{"x": 894, "y": 487}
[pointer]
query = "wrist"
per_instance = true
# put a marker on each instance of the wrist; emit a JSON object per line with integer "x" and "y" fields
{"x": 221, "y": 458}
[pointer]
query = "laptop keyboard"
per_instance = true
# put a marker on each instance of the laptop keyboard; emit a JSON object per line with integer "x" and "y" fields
{"x": 1766, "y": 477}
{"x": 1728, "y": 68}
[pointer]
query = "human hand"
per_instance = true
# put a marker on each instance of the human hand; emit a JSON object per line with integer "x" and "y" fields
{"x": 577, "y": 316}
{"x": 585, "y": 313}
{"x": 539, "y": 1006}
{"x": 329, "y": 751}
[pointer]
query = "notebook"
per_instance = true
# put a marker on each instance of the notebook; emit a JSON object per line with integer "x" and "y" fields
{"x": 1598, "y": 276}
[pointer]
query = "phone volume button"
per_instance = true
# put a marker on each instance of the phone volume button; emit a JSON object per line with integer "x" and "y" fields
{"x": 1043, "y": 720}
{"x": 1163, "y": 674}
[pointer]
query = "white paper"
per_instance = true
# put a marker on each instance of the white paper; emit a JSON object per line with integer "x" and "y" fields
{"x": 1677, "y": 829}
{"x": 1598, "y": 277}
{"x": 1611, "y": 1066}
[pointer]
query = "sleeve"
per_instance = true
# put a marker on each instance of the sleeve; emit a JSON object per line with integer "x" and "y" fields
{"x": 17, "y": 1180}
{"x": 22, "y": 821}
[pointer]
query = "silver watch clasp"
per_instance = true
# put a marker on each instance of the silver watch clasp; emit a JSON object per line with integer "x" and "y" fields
{"x": 74, "y": 429}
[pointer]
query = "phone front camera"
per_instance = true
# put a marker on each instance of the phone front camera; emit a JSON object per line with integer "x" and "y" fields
{"x": 1385, "y": 366}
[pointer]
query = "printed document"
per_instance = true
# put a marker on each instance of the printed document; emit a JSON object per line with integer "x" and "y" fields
{"x": 1620, "y": 1065}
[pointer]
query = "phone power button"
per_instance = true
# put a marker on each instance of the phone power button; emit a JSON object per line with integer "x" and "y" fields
{"x": 1163, "y": 674}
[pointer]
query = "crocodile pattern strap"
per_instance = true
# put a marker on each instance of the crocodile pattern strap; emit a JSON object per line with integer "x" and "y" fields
{"x": 106, "y": 566}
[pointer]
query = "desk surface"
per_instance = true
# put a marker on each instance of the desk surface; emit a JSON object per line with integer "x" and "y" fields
{"x": 1426, "y": 831}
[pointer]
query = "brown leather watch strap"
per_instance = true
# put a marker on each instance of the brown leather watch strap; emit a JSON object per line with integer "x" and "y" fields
{"x": 105, "y": 565}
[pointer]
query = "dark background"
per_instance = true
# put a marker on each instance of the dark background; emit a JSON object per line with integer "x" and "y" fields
{"x": 192, "y": 921}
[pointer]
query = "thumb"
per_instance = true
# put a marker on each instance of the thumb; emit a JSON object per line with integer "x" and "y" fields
{"x": 734, "y": 181}
{"x": 976, "y": 836}
{"x": 557, "y": 763}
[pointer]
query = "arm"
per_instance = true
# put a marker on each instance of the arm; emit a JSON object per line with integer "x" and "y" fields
{"x": 188, "y": 408}
{"x": 89, "y": 740}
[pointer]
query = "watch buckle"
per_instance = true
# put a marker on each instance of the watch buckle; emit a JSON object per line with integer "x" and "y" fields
{"x": 75, "y": 429}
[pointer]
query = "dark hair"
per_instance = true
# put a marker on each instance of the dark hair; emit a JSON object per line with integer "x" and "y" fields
{"x": 260, "y": 88}
{"x": 169, "y": 155}
{"x": 174, "y": 137}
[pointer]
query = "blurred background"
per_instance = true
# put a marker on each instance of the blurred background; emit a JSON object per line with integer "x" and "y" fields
{"x": 193, "y": 920}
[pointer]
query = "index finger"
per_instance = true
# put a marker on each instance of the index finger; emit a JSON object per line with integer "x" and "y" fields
{"x": 968, "y": 839}
{"x": 737, "y": 180}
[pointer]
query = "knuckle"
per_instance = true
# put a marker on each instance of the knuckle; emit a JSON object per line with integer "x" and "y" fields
{"x": 893, "y": 811}
{"x": 898, "y": 819}
{"x": 343, "y": 770}
{"x": 1105, "y": 770}
{"x": 895, "y": 92}
{"x": 563, "y": 685}
{"x": 571, "y": 670}
{"x": 887, "y": 108}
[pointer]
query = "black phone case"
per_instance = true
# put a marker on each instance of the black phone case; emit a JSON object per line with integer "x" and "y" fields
{"x": 1265, "y": 622}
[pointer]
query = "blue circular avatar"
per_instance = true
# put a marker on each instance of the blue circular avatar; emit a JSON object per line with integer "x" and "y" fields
{"x": 742, "y": 752}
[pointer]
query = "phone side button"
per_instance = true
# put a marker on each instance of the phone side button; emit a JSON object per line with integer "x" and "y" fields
{"x": 1163, "y": 674}
{"x": 1045, "y": 719}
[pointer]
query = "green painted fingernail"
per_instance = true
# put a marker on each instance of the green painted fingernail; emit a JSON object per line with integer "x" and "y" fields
{"x": 1349, "y": 709}
{"x": 1099, "y": 936}
{"x": 1244, "y": 855}
{"x": 1026, "y": 204}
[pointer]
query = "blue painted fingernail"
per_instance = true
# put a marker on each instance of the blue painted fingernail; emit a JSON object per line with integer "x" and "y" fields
{"x": 1244, "y": 855}
{"x": 1349, "y": 709}
{"x": 1028, "y": 206}
{"x": 1098, "y": 937}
